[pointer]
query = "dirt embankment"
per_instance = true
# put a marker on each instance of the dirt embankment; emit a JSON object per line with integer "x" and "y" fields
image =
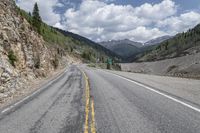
{"x": 187, "y": 66}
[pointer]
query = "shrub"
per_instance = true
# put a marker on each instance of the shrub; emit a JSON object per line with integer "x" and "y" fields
{"x": 12, "y": 58}
{"x": 86, "y": 55}
{"x": 55, "y": 62}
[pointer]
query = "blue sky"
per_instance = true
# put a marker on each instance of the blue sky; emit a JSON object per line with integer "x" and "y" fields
{"x": 185, "y": 4}
{"x": 102, "y": 20}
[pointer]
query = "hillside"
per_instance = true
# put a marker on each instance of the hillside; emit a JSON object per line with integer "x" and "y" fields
{"x": 177, "y": 56}
{"x": 180, "y": 45}
{"x": 24, "y": 54}
{"x": 84, "y": 44}
{"x": 28, "y": 53}
{"x": 185, "y": 66}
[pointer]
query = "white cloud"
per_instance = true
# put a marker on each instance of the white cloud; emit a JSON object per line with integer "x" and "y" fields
{"x": 101, "y": 20}
{"x": 158, "y": 11}
{"x": 46, "y": 9}
{"x": 59, "y": 25}
{"x": 180, "y": 23}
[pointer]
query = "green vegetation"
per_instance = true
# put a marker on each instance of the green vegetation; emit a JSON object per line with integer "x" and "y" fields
{"x": 49, "y": 34}
{"x": 89, "y": 55}
{"x": 91, "y": 65}
{"x": 12, "y": 58}
{"x": 81, "y": 45}
{"x": 36, "y": 19}
{"x": 72, "y": 43}
{"x": 174, "y": 47}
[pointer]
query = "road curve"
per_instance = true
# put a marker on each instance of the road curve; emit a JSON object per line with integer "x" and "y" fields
{"x": 122, "y": 106}
{"x": 58, "y": 108}
{"x": 97, "y": 101}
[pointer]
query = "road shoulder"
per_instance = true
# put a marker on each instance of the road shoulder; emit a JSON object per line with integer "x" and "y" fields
{"x": 185, "y": 89}
{"x": 33, "y": 86}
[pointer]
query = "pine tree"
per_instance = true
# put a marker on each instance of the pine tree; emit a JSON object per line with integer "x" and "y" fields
{"x": 36, "y": 18}
{"x": 29, "y": 13}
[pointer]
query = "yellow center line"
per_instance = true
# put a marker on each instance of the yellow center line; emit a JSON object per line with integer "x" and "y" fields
{"x": 87, "y": 108}
{"x": 86, "y": 116}
{"x": 93, "y": 129}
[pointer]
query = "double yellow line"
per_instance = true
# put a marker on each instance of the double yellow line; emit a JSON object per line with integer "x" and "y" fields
{"x": 89, "y": 103}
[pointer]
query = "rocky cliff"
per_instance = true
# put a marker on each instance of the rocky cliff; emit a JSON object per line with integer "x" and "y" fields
{"x": 24, "y": 55}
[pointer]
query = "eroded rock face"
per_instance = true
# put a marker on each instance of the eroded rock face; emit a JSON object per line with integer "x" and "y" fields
{"x": 33, "y": 57}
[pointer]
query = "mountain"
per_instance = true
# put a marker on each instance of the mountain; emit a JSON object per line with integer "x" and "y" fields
{"x": 123, "y": 48}
{"x": 99, "y": 50}
{"x": 182, "y": 44}
{"x": 112, "y": 43}
{"x": 156, "y": 40}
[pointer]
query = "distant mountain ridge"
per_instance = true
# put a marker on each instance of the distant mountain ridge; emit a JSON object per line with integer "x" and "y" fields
{"x": 118, "y": 42}
{"x": 157, "y": 40}
{"x": 128, "y": 49}
{"x": 124, "y": 48}
{"x": 90, "y": 43}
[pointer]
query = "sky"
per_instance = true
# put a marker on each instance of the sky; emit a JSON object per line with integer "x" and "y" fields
{"x": 103, "y": 20}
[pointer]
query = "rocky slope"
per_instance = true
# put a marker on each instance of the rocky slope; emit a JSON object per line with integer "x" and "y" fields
{"x": 24, "y": 55}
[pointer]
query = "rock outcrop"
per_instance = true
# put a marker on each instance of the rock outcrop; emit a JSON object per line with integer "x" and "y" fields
{"x": 24, "y": 55}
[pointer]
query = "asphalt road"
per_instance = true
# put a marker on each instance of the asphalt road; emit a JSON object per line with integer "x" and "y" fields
{"x": 56, "y": 108}
{"x": 122, "y": 106}
{"x": 102, "y": 102}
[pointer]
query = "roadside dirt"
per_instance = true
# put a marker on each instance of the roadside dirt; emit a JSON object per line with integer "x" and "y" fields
{"x": 30, "y": 88}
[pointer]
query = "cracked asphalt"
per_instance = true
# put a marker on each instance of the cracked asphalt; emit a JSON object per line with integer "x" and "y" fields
{"x": 59, "y": 108}
{"x": 96, "y": 101}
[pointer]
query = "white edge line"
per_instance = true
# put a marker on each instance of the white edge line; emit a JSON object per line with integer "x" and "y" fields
{"x": 160, "y": 93}
{"x": 27, "y": 97}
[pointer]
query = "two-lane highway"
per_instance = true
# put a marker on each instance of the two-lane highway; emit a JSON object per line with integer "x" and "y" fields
{"x": 92, "y": 100}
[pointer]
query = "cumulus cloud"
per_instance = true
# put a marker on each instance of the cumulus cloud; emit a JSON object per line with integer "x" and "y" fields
{"x": 180, "y": 23}
{"x": 158, "y": 11}
{"x": 46, "y": 9}
{"x": 102, "y": 20}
